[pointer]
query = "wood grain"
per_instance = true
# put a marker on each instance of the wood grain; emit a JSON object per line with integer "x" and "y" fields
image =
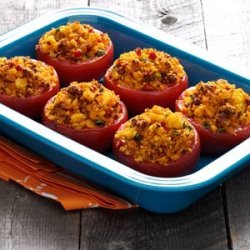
{"x": 179, "y": 18}
{"x": 229, "y": 38}
{"x": 238, "y": 205}
{"x": 199, "y": 227}
{"x": 206, "y": 219}
{"x": 14, "y": 13}
{"x": 30, "y": 222}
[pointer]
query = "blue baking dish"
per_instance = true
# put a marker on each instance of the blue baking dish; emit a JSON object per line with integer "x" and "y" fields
{"x": 162, "y": 195}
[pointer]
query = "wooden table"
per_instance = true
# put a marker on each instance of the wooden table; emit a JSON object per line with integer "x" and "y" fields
{"x": 221, "y": 220}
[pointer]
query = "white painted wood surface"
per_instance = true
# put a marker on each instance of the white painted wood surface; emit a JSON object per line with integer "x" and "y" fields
{"x": 221, "y": 220}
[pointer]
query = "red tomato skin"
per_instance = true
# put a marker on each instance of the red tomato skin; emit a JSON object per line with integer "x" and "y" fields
{"x": 99, "y": 139}
{"x": 181, "y": 167}
{"x": 69, "y": 71}
{"x": 138, "y": 100}
{"x": 30, "y": 106}
{"x": 215, "y": 143}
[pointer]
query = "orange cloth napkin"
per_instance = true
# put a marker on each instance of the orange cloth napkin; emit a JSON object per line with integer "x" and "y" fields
{"x": 44, "y": 178}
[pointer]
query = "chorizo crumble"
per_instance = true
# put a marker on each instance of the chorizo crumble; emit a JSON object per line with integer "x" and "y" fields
{"x": 156, "y": 136}
{"x": 24, "y": 77}
{"x": 146, "y": 69}
{"x": 218, "y": 105}
{"x": 84, "y": 105}
{"x": 74, "y": 42}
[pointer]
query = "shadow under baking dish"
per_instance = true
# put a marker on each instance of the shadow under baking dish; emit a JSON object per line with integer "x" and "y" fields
{"x": 163, "y": 195}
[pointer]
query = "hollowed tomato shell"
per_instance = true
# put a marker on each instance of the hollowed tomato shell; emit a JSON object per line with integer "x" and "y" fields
{"x": 99, "y": 139}
{"x": 31, "y": 106}
{"x": 70, "y": 71}
{"x": 138, "y": 100}
{"x": 182, "y": 166}
{"x": 215, "y": 143}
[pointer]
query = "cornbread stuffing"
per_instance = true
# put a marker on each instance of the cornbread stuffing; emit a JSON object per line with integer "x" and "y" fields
{"x": 218, "y": 105}
{"x": 156, "y": 136}
{"x": 146, "y": 69}
{"x": 74, "y": 42}
{"x": 84, "y": 105}
{"x": 24, "y": 77}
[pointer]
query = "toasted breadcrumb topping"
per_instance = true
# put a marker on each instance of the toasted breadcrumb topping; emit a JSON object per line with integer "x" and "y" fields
{"x": 84, "y": 105}
{"x": 74, "y": 42}
{"x": 156, "y": 136}
{"x": 24, "y": 77}
{"x": 146, "y": 69}
{"x": 218, "y": 105}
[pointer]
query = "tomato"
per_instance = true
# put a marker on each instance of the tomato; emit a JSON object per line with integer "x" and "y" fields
{"x": 215, "y": 143}
{"x": 138, "y": 100}
{"x": 182, "y": 166}
{"x": 70, "y": 71}
{"x": 30, "y": 106}
{"x": 99, "y": 138}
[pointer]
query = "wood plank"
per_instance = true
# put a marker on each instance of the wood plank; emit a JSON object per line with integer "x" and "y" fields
{"x": 237, "y": 197}
{"x": 124, "y": 229}
{"x": 230, "y": 39}
{"x": 29, "y": 222}
{"x": 182, "y": 18}
{"x": 14, "y": 13}
{"x": 199, "y": 227}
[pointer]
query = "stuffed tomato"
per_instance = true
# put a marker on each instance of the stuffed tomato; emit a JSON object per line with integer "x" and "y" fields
{"x": 77, "y": 51}
{"x": 146, "y": 77}
{"x": 27, "y": 84}
{"x": 158, "y": 142}
{"x": 219, "y": 111}
{"x": 86, "y": 112}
